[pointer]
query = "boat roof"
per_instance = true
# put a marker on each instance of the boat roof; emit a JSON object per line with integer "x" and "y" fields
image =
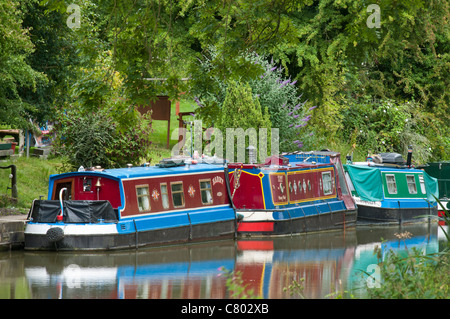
{"x": 385, "y": 167}
{"x": 142, "y": 171}
{"x": 185, "y": 166}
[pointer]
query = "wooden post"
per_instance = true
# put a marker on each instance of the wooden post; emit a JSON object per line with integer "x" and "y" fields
{"x": 28, "y": 143}
{"x": 13, "y": 177}
{"x": 14, "y": 182}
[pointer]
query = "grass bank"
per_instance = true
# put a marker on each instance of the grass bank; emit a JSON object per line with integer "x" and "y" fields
{"x": 32, "y": 181}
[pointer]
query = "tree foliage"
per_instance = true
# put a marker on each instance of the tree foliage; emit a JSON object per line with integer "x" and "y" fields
{"x": 15, "y": 72}
{"x": 337, "y": 60}
{"x": 243, "y": 112}
{"x": 54, "y": 55}
{"x": 92, "y": 139}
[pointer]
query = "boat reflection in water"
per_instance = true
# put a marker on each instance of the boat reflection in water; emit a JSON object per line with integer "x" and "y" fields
{"x": 325, "y": 264}
{"x": 188, "y": 271}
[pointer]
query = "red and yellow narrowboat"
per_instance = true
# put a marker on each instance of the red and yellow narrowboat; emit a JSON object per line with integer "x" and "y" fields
{"x": 292, "y": 193}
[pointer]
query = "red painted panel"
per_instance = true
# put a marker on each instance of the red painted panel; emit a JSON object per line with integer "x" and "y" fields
{"x": 249, "y": 192}
{"x": 84, "y": 188}
{"x": 191, "y": 192}
{"x": 255, "y": 227}
{"x": 305, "y": 184}
{"x": 308, "y": 185}
{"x": 279, "y": 189}
{"x": 255, "y": 245}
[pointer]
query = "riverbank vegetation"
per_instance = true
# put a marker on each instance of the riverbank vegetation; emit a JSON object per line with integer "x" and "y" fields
{"x": 414, "y": 274}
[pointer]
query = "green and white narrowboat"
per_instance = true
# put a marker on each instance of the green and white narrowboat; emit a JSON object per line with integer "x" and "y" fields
{"x": 391, "y": 192}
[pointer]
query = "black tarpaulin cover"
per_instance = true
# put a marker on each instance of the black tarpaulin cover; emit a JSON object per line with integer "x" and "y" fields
{"x": 74, "y": 211}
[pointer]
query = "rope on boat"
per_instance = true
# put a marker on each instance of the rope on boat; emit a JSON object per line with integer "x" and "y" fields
{"x": 236, "y": 177}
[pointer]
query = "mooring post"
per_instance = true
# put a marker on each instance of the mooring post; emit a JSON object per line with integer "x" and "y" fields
{"x": 14, "y": 182}
{"x": 13, "y": 177}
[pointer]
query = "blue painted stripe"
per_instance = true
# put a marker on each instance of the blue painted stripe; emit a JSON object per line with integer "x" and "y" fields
{"x": 323, "y": 208}
{"x": 406, "y": 203}
{"x": 308, "y": 210}
{"x": 175, "y": 219}
{"x": 211, "y": 215}
{"x": 149, "y": 222}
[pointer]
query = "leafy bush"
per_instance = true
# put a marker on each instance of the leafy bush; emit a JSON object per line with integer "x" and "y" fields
{"x": 286, "y": 109}
{"x": 386, "y": 126}
{"x": 95, "y": 139}
{"x": 414, "y": 276}
{"x": 268, "y": 83}
{"x": 241, "y": 110}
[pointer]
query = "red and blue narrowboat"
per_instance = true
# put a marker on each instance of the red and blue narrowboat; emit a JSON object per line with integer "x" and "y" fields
{"x": 103, "y": 209}
{"x": 292, "y": 193}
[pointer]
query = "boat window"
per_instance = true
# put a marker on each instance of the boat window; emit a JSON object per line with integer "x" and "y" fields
{"x": 177, "y": 194}
{"x": 143, "y": 198}
{"x": 391, "y": 185}
{"x": 422, "y": 184}
{"x": 410, "y": 180}
{"x": 327, "y": 185}
{"x": 87, "y": 184}
{"x": 206, "y": 191}
{"x": 164, "y": 196}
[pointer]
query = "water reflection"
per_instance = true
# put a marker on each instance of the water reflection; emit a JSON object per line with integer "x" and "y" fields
{"x": 325, "y": 263}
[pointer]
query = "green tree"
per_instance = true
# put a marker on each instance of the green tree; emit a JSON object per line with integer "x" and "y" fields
{"x": 15, "y": 73}
{"x": 325, "y": 45}
{"x": 337, "y": 59}
{"x": 242, "y": 114}
{"x": 268, "y": 83}
{"x": 54, "y": 55}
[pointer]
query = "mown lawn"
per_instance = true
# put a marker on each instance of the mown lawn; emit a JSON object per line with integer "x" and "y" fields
{"x": 160, "y": 127}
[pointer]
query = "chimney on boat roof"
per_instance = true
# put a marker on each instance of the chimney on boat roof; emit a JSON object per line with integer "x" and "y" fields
{"x": 408, "y": 159}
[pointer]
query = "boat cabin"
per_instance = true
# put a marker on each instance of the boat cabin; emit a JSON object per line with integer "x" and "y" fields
{"x": 137, "y": 191}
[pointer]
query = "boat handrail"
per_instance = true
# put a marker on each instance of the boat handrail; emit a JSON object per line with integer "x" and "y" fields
{"x": 60, "y": 216}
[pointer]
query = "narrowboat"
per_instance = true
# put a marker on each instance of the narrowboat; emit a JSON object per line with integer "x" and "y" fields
{"x": 293, "y": 193}
{"x": 105, "y": 209}
{"x": 440, "y": 171}
{"x": 389, "y": 190}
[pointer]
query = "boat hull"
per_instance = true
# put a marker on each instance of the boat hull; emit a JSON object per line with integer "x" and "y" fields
{"x": 395, "y": 215}
{"x": 95, "y": 237}
{"x": 260, "y": 226}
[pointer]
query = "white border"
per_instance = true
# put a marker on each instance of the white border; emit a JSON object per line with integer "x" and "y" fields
{"x": 73, "y": 229}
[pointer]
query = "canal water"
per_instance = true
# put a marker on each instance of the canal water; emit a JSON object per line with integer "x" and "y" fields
{"x": 324, "y": 264}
